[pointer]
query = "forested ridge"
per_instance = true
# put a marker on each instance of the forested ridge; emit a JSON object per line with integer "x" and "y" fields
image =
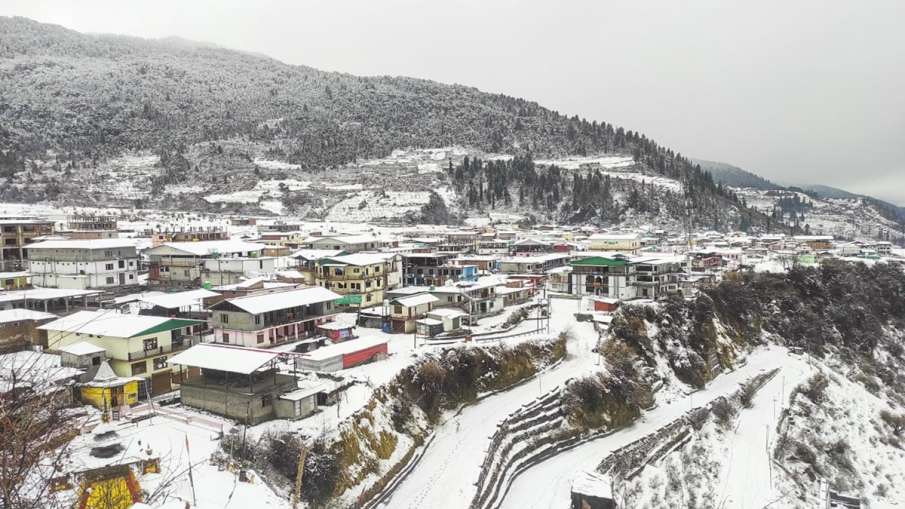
{"x": 76, "y": 99}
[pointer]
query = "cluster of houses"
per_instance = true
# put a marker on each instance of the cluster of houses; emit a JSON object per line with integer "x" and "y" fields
{"x": 210, "y": 313}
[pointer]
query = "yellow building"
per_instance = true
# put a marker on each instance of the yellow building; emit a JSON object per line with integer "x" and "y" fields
{"x": 15, "y": 280}
{"x": 360, "y": 277}
{"x": 107, "y": 390}
{"x": 135, "y": 345}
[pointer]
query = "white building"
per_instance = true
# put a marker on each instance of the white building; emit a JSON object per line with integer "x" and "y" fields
{"x": 81, "y": 264}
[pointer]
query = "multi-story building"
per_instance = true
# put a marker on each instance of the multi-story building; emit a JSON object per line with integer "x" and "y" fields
{"x": 360, "y": 278}
{"x": 191, "y": 263}
{"x": 273, "y": 318}
{"x": 433, "y": 269}
{"x": 349, "y": 243}
{"x": 625, "y": 278}
{"x": 90, "y": 226}
{"x": 478, "y": 299}
{"x": 135, "y": 345}
{"x": 82, "y": 264}
{"x": 532, "y": 264}
{"x": 187, "y": 234}
{"x": 623, "y": 242}
{"x": 15, "y": 235}
{"x": 306, "y": 262}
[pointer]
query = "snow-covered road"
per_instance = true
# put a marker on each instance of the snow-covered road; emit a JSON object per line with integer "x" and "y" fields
{"x": 547, "y": 484}
{"x": 446, "y": 474}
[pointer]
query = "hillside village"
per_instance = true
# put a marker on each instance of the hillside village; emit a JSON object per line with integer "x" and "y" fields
{"x": 166, "y": 344}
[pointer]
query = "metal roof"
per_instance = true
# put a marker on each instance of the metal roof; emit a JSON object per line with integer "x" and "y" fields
{"x": 233, "y": 359}
{"x": 257, "y": 304}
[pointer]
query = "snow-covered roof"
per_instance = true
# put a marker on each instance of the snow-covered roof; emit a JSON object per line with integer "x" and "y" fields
{"x": 83, "y": 244}
{"x": 359, "y": 259}
{"x": 9, "y": 275}
{"x": 180, "y": 299}
{"x": 111, "y": 323}
{"x": 614, "y": 236}
{"x": 233, "y": 359}
{"x": 593, "y": 484}
{"x": 429, "y": 321}
{"x": 210, "y": 247}
{"x": 416, "y": 300}
{"x": 534, "y": 258}
{"x": 447, "y": 312}
{"x": 346, "y": 239}
{"x": 18, "y": 315}
{"x": 352, "y": 345}
{"x": 316, "y": 254}
{"x": 81, "y": 348}
{"x": 257, "y": 304}
{"x": 43, "y": 294}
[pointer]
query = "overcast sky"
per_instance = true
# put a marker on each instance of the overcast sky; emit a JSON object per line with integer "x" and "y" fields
{"x": 799, "y": 92}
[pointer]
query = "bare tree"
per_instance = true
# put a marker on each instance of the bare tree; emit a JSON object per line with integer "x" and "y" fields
{"x": 36, "y": 426}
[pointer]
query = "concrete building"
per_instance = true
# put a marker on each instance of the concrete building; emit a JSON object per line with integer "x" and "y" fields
{"x": 626, "y": 278}
{"x": 533, "y": 264}
{"x": 361, "y": 277}
{"x": 623, "y": 242}
{"x": 239, "y": 383}
{"x": 15, "y": 280}
{"x": 349, "y": 243}
{"x": 83, "y": 264}
{"x": 19, "y": 327}
{"x": 272, "y": 319}
{"x": 135, "y": 345}
{"x": 15, "y": 235}
{"x": 404, "y": 311}
{"x": 84, "y": 226}
{"x": 191, "y": 263}
{"x": 434, "y": 269}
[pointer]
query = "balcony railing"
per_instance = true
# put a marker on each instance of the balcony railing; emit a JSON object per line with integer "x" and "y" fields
{"x": 179, "y": 344}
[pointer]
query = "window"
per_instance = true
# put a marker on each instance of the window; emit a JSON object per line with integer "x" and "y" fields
{"x": 160, "y": 362}
{"x": 108, "y": 254}
{"x": 109, "y": 280}
{"x": 139, "y": 368}
{"x": 108, "y": 266}
{"x": 224, "y": 318}
{"x": 260, "y": 338}
{"x": 226, "y": 337}
{"x": 96, "y": 360}
{"x": 150, "y": 344}
{"x": 131, "y": 276}
{"x": 266, "y": 400}
{"x": 257, "y": 319}
{"x": 122, "y": 264}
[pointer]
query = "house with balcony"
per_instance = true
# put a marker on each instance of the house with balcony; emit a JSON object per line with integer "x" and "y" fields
{"x": 626, "y": 278}
{"x": 362, "y": 278}
{"x": 219, "y": 261}
{"x": 83, "y": 264}
{"x": 404, "y": 311}
{"x": 479, "y": 298}
{"x": 134, "y": 345}
{"x": 533, "y": 264}
{"x": 305, "y": 262}
{"x": 434, "y": 269}
{"x": 272, "y": 319}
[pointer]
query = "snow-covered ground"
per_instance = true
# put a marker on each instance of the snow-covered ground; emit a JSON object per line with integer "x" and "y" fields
{"x": 450, "y": 465}
{"x": 547, "y": 485}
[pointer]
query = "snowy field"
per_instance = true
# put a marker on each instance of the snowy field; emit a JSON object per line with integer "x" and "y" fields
{"x": 547, "y": 485}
